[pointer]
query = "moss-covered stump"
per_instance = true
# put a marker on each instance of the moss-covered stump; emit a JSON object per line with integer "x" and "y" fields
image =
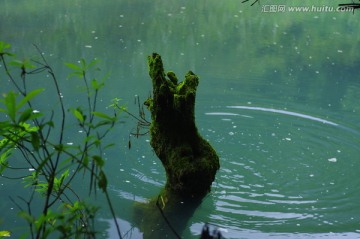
{"x": 189, "y": 160}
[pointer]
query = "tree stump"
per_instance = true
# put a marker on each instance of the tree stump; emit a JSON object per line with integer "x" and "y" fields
{"x": 189, "y": 160}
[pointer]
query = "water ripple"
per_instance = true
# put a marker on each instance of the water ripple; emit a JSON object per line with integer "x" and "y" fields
{"x": 283, "y": 171}
{"x": 285, "y": 112}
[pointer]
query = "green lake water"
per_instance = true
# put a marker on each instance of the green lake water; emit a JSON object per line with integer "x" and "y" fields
{"x": 278, "y": 99}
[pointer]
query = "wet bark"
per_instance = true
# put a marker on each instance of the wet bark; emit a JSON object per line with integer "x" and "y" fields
{"x": 189, "y": 160}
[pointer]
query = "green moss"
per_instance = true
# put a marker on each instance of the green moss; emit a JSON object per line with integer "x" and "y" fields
{"x": 189, "y": 160}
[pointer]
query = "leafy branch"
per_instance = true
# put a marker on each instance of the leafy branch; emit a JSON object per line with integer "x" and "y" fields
{"x": 142, "y": 124}
{"x": 51, "y": 165}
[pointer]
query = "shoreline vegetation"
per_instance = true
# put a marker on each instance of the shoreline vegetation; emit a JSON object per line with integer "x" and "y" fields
{"x": 50, "y": 165}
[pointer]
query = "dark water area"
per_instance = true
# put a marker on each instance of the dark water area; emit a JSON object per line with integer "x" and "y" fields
{"x": 278, "y": 99}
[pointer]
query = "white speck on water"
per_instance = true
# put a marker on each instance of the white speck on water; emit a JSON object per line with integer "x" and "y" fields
{"x": 231, "y": 133}
{"x": 35, "y": 111}
{"x": 311, "y": 175}
{"x": 340, "y": 51}
{"x": 70, "y": 143}
{"x": 333, "y": 160}
{"x": 88, "y": 46}
{"x": 31, "y": 169}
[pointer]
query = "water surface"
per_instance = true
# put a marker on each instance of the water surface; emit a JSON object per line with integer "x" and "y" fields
{"x": 278, "y": 99}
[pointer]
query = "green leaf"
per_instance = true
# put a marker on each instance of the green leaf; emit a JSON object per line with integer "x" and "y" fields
{"x": 59, "y": 181}
{"x": 28, "y": 128}
{"x": 83, "y": 64}
{"x": 95, "y": 85}
{"x": 85, "y": 161}
{"x": 16, "y": 63}
{"x": 50, "y": 124}
{"x": 25, "y": 115}
{"x": 79, "y": 74}
{"x": 31, "y": 180}
{"x": 35, "y": 140}
{"x": 65, "y": 174}
{"x": 79, "y": 71}
{"x": 102, "y": 123}
{"x": 3, "y": 159}
{"x": 10, "y": 103}
{"x": 26, "y": 216}
{"x": 41, "y": 187}
{"x": 59, "y": 147}
{"x": 109, "y": 145}
{"x": 78, "y": 115}
{"x": 3, "y": 47}
{"x": 102, "y": 183}
{"x": 5, "y": 233}
{"x": 92, "y": 63}
{"x": 28, "y": 97}
{"x": 45, "y": 218}
{"x": 98, "y": 160}
{"x": 74, "y": 67}
{"x": 25, "y": 64}
{"x": 102, "y": 115}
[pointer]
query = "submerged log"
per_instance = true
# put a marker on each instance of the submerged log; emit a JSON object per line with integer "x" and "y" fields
{"x": 189, "y": 160}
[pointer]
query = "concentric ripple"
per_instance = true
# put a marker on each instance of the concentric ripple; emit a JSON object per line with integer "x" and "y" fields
{"x": 284, "y": 172}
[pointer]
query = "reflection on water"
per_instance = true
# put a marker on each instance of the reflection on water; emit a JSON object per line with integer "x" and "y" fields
{"x": 278, "y": 99}
{"x": 127, "y": 230}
